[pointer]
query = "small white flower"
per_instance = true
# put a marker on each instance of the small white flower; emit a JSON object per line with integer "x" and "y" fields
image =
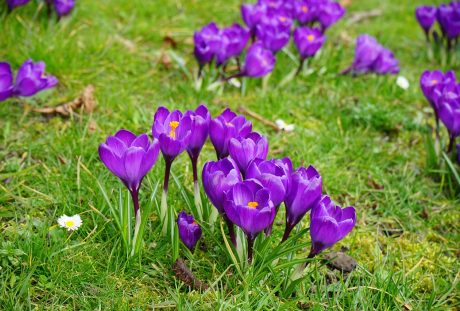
{"x": 283, "y": 126}
{"x": 402, "y": 82}
{"x": 71, "y": 223}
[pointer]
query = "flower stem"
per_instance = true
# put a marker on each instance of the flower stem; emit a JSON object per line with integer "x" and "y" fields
{"x": 250, "y": 247}
{"x": 196, "y": 188}
{"x": 287, "y": 232}
{"x": 299, "y": 69}
{"x": 236, "y": 75}
{"x": 164, "y": 196}
{"x": 135, "y": 197}
{"x": 450, "y": 147}
{"x": 231, "y": 229}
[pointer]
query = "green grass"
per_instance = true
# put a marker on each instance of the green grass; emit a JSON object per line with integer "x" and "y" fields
{"x": 358, "y": 132}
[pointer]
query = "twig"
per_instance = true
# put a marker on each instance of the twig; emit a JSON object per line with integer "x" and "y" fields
{"x": 258, "y": 117}
{"x": 184, "y": 274}
{"x": 360, "y": 16}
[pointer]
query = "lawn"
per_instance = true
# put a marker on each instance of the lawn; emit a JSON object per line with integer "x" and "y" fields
{"x": 365, "y": 135}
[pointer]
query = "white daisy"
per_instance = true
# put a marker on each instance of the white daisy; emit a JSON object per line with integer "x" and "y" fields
{"x": 283, "y": 126}
{"x": 71, "y": 223}
{"x": 402, "y": 82}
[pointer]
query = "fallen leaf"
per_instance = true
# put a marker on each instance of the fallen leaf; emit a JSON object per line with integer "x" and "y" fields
{"x": 373, "y": 184}
{"x": 165, "y": 60}
{"x": 340, "y": 261}
{"x": 358, "y": 17}
{"x": 169, "y": 40}
{"x": 92, "y": 126}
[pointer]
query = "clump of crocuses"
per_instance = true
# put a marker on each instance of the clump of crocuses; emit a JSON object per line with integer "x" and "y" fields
{"x": 61, "y": 7}
{"x": 447, "y": 17}
{"x": 269, "y": 25}
{"x": 30, "y": 80}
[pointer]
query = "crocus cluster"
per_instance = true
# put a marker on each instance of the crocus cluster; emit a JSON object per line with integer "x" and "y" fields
{"x": 269, "y": 24}
{"x": 448, "y": 18}
{"x": 62, "y": 7}
{"x": 371, "y": 56}
{"x": 30, "y": 79}
{"x": 442, "y": 91}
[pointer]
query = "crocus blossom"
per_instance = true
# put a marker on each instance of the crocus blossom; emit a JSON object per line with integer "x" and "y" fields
{"x": 233, "y": 41}
{"x": 329, "y": 223}
{"x": 329, "y": 13}
{"x": 243, "y": 150}
{"x": 207, "y": 43}
{"x": 306, "y": 11}
{"x": 189, "y": 230}
{"x": 259, "y": 61}
{"x": 274, "y": 32}
{"x": 308, "y": 41}
{"x": 426, "y": 16}
{"x": 435, "y": 80}
{"x": 16, "y": 3}
{"x": 199, "y": 127}
{"x": 448, "y": 16}
{"x": 64, "y": 7}
{"x": 6, "y": 81}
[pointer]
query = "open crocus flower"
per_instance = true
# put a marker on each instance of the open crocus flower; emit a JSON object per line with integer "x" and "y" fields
{"x": 306, "y": 11}
{"x": 207, "y": 43}
{"x": 329, "y": 223}
{"x": 218, "y": 178}
{"x": 426, "y": 16}
{"x": 366, "y": 53}
{"x": 189, "y": 230}
{"x": 308, "y": 41}
{"x": 448, "y": 105}
{"x": 436, "y": 79}
{"x": 129, "y": 157}
{"x": 226, "y": 126}
{"x": 259, "y": 61}
{"x": 31, "y": 79}
{"x": 6, "y": 81}
{"x": 233, "y": 41}
{"x": 448, "y": 16}
{"x": 304, "y": 191}
{"x": 64, "y": 7}
{"x": 248, "y": 205}
{"x": 243, "y": 150}
{"x": 15, "y": 3}
{"x": 71, "y": 223}
{"x": 252, "y": 14}
{"x": 274, "y": 32}
{"x": 329, "y": 13}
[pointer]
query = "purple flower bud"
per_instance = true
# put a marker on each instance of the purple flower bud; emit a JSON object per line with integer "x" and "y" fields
{"x": 386, "y": 63}
{"x": 252, "y": 14}
{"x": 426, "y": 16}
{"x": 200, "y": 119}
{"x": 329, "y": 13}
{"x": 259, "y": 61}
{"x": 274, "y": 175}
{"x": 274, "y": 32}
{"x": 15, "y": 3}
{"x": 64, "y": 7}
{"x": 329, "y": 224}
{"x": 248, "y": 205}
{"x": 129, "y": 157}
{"x": 173, "y": 132}
{"x": 234, "y": 40}
{"x": 189, "y": 230}
{"x": 304, "y": 192}
{"x": 6, "y": 81}
{"x": 225, "y": 127}
{"x": 243, "y": 150}
{"x": 306, "y": 11}
{"x": 308, "y": 41}
{"x": 31, "y": 79}
{"x": 218, "y": 178}
{"x": 448, "y": 16}
{"x": 207, "y": 43}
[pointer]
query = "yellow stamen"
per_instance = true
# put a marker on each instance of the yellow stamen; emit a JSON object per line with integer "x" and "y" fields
{"x": 310, "y": 38}
{"x": 173, "y": 125}
{"x": 283, "y": 19}
{"x": 305, "y": 9}
{"x": 253, "y": 204}
{"x": 434, "y": 81}
{"x": 69, "y": 223}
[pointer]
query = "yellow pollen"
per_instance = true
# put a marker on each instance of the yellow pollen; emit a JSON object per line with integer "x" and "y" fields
{"x": 253, "y": 204}
{"x": 173, "y": 125}
{"x": 310, "y": 38}
{"x": 305, "y": 9}
{"x": 70, "y": 223}
{"x": 283, "y": 19}
{"x": 434, "y": 81}
{"x": 194, "y": 223}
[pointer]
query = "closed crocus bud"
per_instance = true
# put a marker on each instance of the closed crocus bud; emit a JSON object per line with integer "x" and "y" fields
{"x": 329, "y": 223}
{"x": 386, "y": 63}
{"x": 308, "y": 41}
{"x": 226, "y": 126}
{"x": 129, "y": 157}
{"x": 15, "y": 3}
{"x": 31, "y": 79}
{"x": 426, "y": 16}
{"x": 200, "y": 119}
{"x": 306, "y": 11}
{"x": 234, "y": 40}
{"x": 252, "y": 14}
{"x": 448, "y": 16}
{"x": 304, "y": 192}
{"x": 189, "y": 230}
{"x": 367, "y": 51}
{"x": 243, "y": 150}
{"x": 6, "y": 81}
{"x": 259, "y": 61}
{"x": 329, "y": 13}
{"x": 218, "y": 178}
{"x": 274, "y": 32}
{"x": 172, "y": 130}
{"x": 64, "y": 7}
{"x": 248, "y": 206}
{"x": 207, "y": 43}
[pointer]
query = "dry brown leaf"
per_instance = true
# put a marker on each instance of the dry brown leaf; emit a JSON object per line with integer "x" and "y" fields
{"x": 358, "y": 17}
{"x": 92, "y": 126}
{"x": 169, "y": 40}
{"x": 345, "y": 3}
{"x": 165, "y": 60}
{"x": 85, "y": 101}
{"x": 259, "y": 118}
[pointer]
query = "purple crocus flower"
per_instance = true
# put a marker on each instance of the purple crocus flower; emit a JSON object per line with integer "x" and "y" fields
{"x": 304, "y": 192}
{"x": 386, "y": 63}
{"x": 259, "y": 61}
{"x": 200, "y": 119}
{"x": 15, "y": 3}
{"x": 218, "y": 178}
{"x": 31, "y": 79}
{"x": 207, "y": 43}
{"x": 449, "y": 113}
{"x": 329, "y": 223}
{"x": 248, "y": 205}
{"x": 129, "y": 157}
{"x": 274, "y": 32}
{"x": 6, "y": 81}
{"x": 189, "y": 230}
{"x": 226, "y": 126}
{"x": 64, "y": 7}
{"x": 436, "y": 79}
{"x": 308, "y": 41}
{"x": 306, "y": 11}
{"x": 329, "y": 13}
{"x": 426, "y": 16}
{"x": 233, "y": 41}
{"x": 243, "y": 150}
{"x": 448, "y": 16}
{"x": 252, "y": 14}
{"x": 366, "y": 53}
